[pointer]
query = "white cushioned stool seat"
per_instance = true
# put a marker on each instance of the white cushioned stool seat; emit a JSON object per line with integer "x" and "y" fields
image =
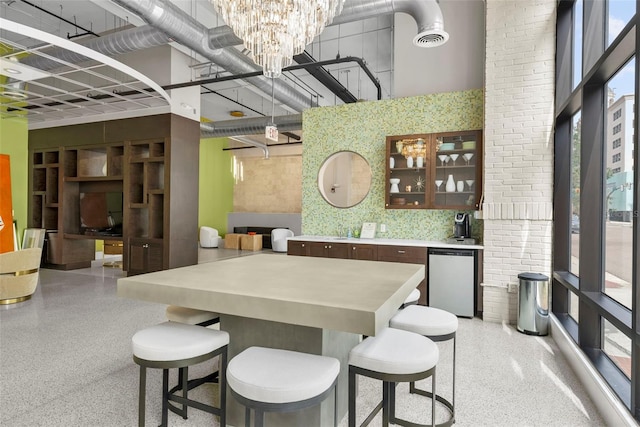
{"x": 190, "y": 316}
{"x": 394, "y": 351}
{"x": 175, "y": 341}
{"x": 427, "y": 321}
{"x": 413, "y": 297}
{"x": 275, "y": 380}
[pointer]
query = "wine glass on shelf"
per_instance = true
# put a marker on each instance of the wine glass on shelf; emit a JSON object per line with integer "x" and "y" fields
{"x": 467, "y": 157}
{"x": 470, "y": 183}
{"x": 438, "y": 184}
{"x": 443, "y": 158}
{"x": 454, "y": 157}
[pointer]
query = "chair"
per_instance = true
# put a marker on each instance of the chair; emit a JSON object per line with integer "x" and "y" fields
{"x": 176, "y": 345}
{"x": 279, "y": 239}
{"x": 274, "y": 380}
{"x": 392, "y": 356}
{"x": 437, "y": 325}
{"x": 33, "y": 238}
{"x": 208, "y": 237}
{"x": 19, "y": 272}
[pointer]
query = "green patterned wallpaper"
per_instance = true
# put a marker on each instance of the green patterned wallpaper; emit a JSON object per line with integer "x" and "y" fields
{"x": 362, "y": 127}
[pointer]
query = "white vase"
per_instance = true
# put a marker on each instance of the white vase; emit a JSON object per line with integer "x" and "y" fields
{"x": 409, "y": 162}
{"x": 392, "y": 162}
{"x": 451, "y": 185}
{"x": 420, "y": 161}
{"x": 460, "y": 186}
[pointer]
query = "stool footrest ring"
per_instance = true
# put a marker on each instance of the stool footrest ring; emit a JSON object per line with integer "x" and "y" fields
{"x": 442, "y": 400}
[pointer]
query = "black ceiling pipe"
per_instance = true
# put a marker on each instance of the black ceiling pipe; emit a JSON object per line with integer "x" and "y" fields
{"x": 326, "y": 78}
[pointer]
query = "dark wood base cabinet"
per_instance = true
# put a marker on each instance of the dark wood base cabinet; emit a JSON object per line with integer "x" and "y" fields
{"x": 145, "y": 256}
{"x": 366, "y": 252}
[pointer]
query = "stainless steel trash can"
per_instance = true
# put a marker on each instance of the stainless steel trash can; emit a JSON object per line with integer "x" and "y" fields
{"x": 533, "y": 304}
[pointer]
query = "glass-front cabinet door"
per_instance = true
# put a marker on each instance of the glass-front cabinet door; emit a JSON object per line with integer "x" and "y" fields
{"x": 434, "y": 171}
{"x": 456, "y": 175}
{"x": 408, "y": 160}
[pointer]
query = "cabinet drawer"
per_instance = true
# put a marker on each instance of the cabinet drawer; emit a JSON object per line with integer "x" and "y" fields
{"x": 407, "y": 254}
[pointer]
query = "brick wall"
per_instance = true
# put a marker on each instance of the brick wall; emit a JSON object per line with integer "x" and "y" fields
{"x": 518, "y": 143}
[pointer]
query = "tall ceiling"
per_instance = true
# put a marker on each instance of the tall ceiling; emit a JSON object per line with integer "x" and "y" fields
{"x": 371, "y": 40}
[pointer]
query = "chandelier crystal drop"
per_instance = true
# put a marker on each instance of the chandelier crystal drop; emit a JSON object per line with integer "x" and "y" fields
{"x": 276, "y": 30}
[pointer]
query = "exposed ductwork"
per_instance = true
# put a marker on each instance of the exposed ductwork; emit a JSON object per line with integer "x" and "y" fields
{"x": 169, "y": 22}
{"x": 250, "y": 126}
{"x": 427, "y": 14}
{"x": 187, "y": 31}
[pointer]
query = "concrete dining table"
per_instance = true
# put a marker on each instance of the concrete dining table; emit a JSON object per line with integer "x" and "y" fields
{"x": 309, "y": 304}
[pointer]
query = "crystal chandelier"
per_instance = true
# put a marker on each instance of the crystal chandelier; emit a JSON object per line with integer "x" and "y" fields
{"x": 276, "y": 30}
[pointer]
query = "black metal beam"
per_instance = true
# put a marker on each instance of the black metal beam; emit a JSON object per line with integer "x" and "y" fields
{"x": 326, "y": 78}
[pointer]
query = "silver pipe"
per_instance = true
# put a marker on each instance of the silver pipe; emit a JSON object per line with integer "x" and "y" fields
{"x": 426, "y": 13}
{"x": 125, "y": 41}
{"x": 250, "y": 126}
{"x": 187, "y": 31}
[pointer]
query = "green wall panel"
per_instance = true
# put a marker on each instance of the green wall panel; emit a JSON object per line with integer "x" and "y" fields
{"x": 216, "y": 184}
{"x": 362, "y": 127}
{"x": 14, "y": 139}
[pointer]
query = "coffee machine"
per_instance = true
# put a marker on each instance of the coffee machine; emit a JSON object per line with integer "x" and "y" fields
{"x": 461, "y": 228}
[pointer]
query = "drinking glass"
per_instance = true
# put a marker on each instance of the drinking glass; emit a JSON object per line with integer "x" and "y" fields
{"x": 438, "y": 184}
{"x": 443, "y": 158}
{"x": 470, "y": 183}
{"x": 467, "y": 157}
{"x": 454, "y": 157}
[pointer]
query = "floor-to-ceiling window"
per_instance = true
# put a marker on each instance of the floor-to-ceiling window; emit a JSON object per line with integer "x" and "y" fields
{"x": 597, "y": 237}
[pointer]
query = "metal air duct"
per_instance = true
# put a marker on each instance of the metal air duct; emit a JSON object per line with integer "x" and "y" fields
{"x": 250, "y": 126}
{"x": 427, "y": 14}
{"x": 187, "y": 31}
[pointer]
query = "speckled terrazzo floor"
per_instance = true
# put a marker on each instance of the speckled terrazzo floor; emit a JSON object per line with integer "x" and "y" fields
{"x": 65, "y": 360}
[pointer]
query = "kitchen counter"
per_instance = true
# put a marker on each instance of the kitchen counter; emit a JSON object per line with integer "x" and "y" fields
{"x": 390, "y": 242}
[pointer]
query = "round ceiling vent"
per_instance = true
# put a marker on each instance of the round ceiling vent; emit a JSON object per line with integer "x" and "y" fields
{"x": 431, "y": 38}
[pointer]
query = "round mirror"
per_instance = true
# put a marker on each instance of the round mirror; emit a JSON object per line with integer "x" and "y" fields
{"x": 344, "y": 179}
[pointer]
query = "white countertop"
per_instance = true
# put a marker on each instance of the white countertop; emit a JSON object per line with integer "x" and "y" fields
{"x": 390, "y": 242}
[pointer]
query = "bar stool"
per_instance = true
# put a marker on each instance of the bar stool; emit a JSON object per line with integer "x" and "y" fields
{"x": 412, "y": 299}
{"x": 392, "y": 356}
{"x": 437, "y": 325}
{"x": 190, "y": 316}
{"x": 274, "y": 380}
{"x": 176, "y": 345}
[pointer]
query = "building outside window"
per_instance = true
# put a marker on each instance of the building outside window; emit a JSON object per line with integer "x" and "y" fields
{"x": 593, "y": 288}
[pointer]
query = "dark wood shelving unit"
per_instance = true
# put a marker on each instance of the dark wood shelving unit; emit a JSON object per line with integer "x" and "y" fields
{"x": 130, "y": 156}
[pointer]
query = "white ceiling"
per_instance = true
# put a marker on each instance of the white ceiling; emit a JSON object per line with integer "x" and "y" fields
{"x": 380, "y": 41}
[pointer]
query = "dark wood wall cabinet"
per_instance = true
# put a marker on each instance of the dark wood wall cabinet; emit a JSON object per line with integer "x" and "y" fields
{"x": 434, "y": 171}
{"x": 143, "y": 172}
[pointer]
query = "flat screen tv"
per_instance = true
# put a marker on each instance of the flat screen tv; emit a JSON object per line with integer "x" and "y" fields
{"x": 101, "y": 212}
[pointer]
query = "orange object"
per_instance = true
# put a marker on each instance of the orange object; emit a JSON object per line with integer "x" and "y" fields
{"x": 6, "y": 207}
{"x": 251, "y": 233}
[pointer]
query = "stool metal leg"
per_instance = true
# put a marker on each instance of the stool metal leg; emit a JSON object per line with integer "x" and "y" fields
{"x": 165, "y": 397}
{"x": 352, "y": 398}
{"x": 385, "y": 403}
{"x": 184, "y": 379}
{"x": 247, "y": 417}
{"x": 141, "y": 395}
{"x": 258, "y": 415}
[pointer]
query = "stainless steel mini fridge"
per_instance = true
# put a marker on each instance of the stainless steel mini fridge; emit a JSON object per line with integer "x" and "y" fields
{"x": 451, "y": 280}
